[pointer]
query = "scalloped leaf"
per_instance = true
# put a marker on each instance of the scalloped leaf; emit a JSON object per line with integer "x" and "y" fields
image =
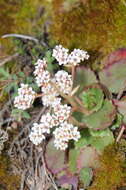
{"x": 88, "y": 148}
{"x": 86, "y": 175}
{"x": 101, "y": 133}
{"x": 84, "y": 140}
{"x": 87, "y": 157}
{"x": 84, "y": 76}
{"x": 92, "y": 98}
{"x": 54, "y": 158}
{"x": 113, "y": 76}
{"x": 121, "y": 106}
{"x": 101, "y": 119}
{"x": 98, "y": 139}
{"x": 102, "y": 140}
{"x": 115, "y": 56}
{"x": 83, "y": 157}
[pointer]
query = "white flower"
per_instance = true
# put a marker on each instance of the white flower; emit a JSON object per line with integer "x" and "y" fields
{"x": 43, "y": 78}
{"x": 49, "y": 97}
{"x": 65, "y": 133}
{"x": 40, "y": 66}
{"x": 62, "y": 145}
{"x": 36, "y": 138}
{"x": 61, "y": 54}
{"x": 25, "y": 97}
{"x": 38, "y": 130}
{"x": 76, "y": 56}
{"x": 62, "y": 112}
{"x": 64, "y": 81}
{"x": 50, "y": 100}
{"x": 74, "y": 133}
{"x": 47, "y": 120}
{"x": 49, "y": 89}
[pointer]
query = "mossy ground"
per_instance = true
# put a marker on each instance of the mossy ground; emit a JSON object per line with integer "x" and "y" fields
{"x": 8, "y": 181}
{"x": 111, "y": 173}
{"x": 94, "y": 25}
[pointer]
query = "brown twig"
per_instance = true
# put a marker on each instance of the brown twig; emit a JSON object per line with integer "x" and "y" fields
{"x": 73, "y": 72}
{"x": 120, "y": 133}
{"x": 21, "y": 36}
{"x": 26, "y": 127}
{"x": 9, "y": 58}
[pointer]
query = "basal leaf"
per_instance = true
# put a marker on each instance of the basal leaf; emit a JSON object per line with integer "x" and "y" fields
{"x": 86, "y": 175}
{"x": 113, "y": 76}
{"x": 101, "y": 119}
{"x": 84, "y": 77}
{"x": 92, "y": 98}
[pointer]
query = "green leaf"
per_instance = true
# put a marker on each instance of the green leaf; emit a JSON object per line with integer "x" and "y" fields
{"x": 73, "y": 154}
{"x": 98, "y": 139}
{"x": 121, "y": 106}
{"x": 84, "y": 140}
{"x": 26, "y": 115}
{"x": 78, "y": 116}
{"x": 101, "y": 119}
{"x": 35, "y": 87}
{"x": 54, "y": 158}
{"x": 5, "y": 74}
{"x": 10, "y": 86}
{"x": 101, "y": 133}
{"x": 87, "y": 157}
{"x": 118, "y": 122}
{"x": 14, "y": 77}
{"x": 48, "y": 57}
{"x": 92, "y": 98}
{"x": 86, "y": 175}
{"x": 21, "y": 74}
{"x": 104, "y": 138}
{"x": 113, "y": 76}
{"x": 84, "y": 77}
{"x": 17, "y": 113}
{"x": 29, "y": 79}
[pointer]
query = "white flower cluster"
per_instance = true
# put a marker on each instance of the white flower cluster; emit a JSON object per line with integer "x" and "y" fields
{"x": 63, "y": 57}
{"x": 48, "y": 121}
{"x": 25, "y": 97}
{"x": 65, "y": 133}
{"x": 64, "y": 81}
{"x": 61, "y": 79}
{"x": 50, "y": 95}
{"x": 62, "y": 112}
{"x": 36, "y": 135}
{"x": 61, "y": 54}
{"x": 76, "y": 56}
{"x": 38, "y": 130}
{"x": 42, "y": 75}
{"x": 51, "y": 86}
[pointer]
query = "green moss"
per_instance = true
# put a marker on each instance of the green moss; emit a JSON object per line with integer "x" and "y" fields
{"x": 7, "y": 12}
{"x": 8, "y": 181}
{"x": 110, "y": 175}
{"x": 31, "y": 16}
{"x": 95, "y": 25}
